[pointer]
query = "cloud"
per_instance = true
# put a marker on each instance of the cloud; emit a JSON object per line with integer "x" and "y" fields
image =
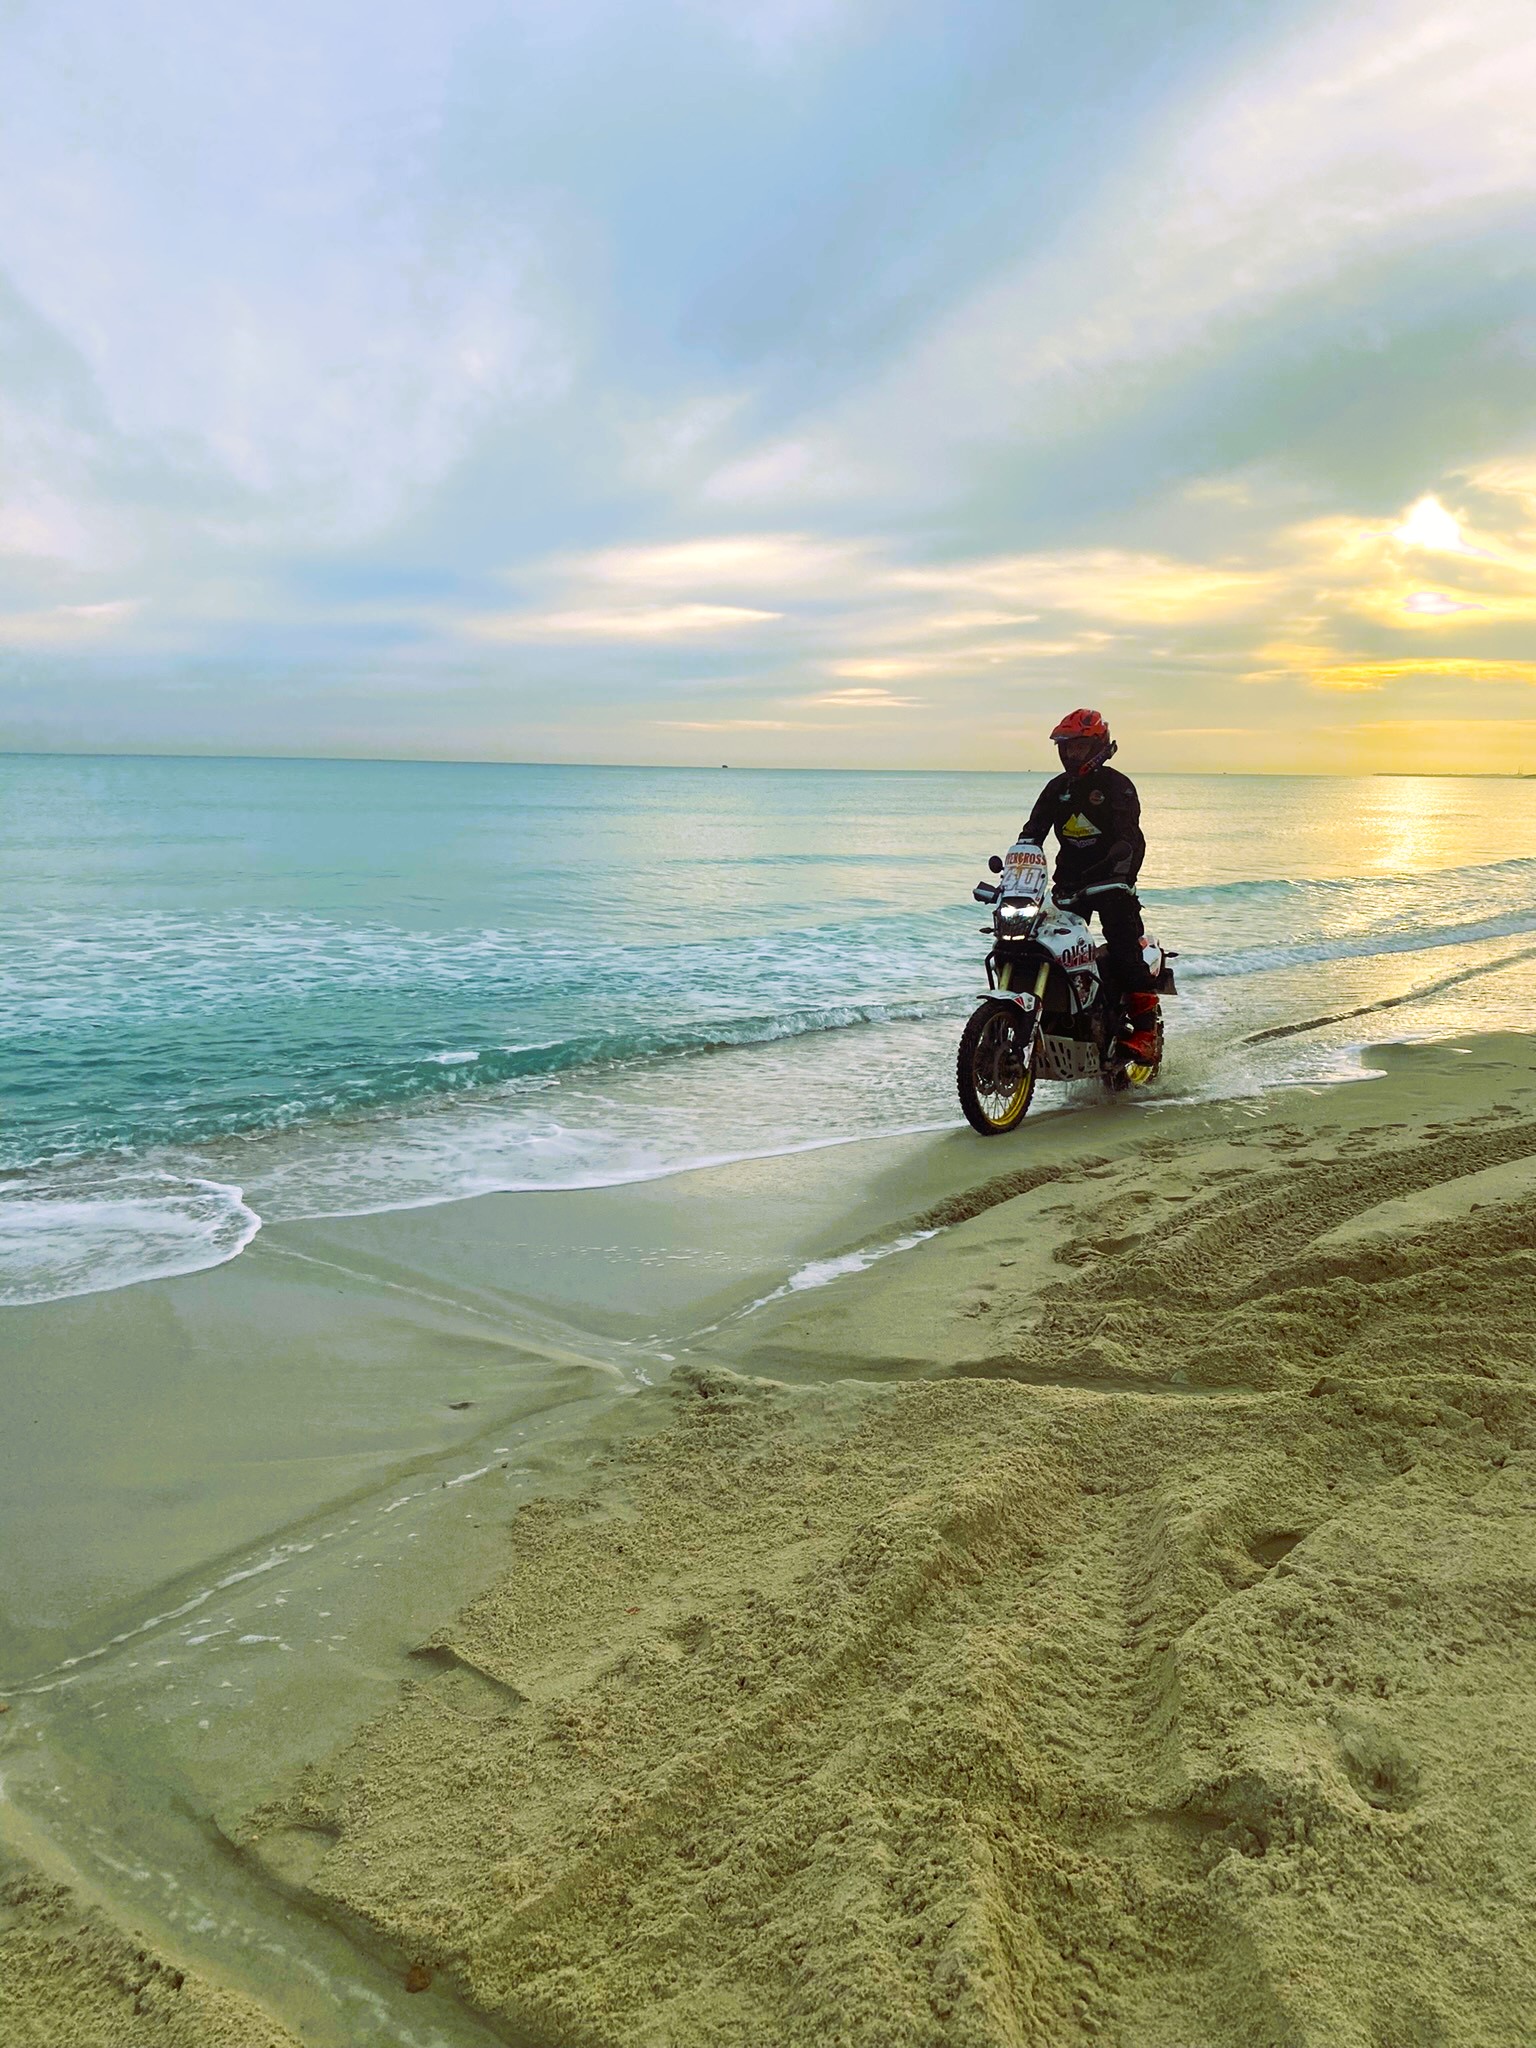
{"x": 241, "y": 272}
{"x": 1375, "y": 567}
{"x": 950, "y": 623}
{"x": 1366, "y": 137}
{"x": 1509, "y": 476}
{"x": 67, "y": 625}
{"x": 640, "y": 622}
{"x": 735, "y": 561}
{"x": 1105, "y": 583}
{"x": 377, "y": 342}
{"x": 747, "y": 725}
{"x": 662, "y": 451}
{"x": 864, "y": 700}
{"x": 1434, "y": 603}
{"x": 596, "y": 595}
{"x": 801, "y": 470}
{"x": 776, "y": 32}
{"x": 1334, "y": 604}
{"x": 44, "y": 523}
{"x": 958, "y": 659}
{"x": 1377, "y": 675}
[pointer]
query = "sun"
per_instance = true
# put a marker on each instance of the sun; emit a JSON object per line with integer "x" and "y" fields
{"x": 1429, "y": 525}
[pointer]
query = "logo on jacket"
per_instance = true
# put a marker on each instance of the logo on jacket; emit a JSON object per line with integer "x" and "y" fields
{"x": 1079, "y": 827}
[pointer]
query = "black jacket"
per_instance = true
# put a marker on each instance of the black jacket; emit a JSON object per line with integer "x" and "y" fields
{"x": 1097, "y": 819}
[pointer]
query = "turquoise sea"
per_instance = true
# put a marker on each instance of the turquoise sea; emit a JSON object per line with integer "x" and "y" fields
{"x": 239, "y": 990}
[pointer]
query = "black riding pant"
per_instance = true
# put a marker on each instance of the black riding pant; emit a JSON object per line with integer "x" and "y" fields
{"x": 1119, "y": 909}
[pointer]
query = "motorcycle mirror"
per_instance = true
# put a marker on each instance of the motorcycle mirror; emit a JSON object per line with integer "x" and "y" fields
{"x": 996, "y": 863}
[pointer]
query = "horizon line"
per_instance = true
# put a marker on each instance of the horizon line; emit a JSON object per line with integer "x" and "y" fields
{"x": 753, "y": 768}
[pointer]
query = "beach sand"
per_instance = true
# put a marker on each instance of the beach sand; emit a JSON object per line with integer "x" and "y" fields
{"x": 150, "y": 1436}
{"x": 68, "y": 1974}
{"x": 1108, "y": 1619}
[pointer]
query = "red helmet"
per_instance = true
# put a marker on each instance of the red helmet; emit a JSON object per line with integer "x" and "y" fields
{"x": 1083, "y": 742}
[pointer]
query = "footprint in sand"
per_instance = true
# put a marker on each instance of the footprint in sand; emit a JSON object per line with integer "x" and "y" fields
{"x": 1378, "y": 1764}
{"x": 1267, "y": 1551}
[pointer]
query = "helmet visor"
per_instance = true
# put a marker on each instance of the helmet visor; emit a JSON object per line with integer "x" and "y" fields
{"x": 1079, "y": 750}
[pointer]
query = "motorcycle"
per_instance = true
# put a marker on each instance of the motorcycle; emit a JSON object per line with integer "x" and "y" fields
{"x": 1047, "y": 1013}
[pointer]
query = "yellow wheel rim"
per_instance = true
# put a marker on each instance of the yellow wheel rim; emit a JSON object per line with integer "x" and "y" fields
{"x": 1019, "y": 1096}
{"x": 1001, "y": 1111}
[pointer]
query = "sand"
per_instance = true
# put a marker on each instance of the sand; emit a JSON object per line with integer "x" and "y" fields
{"x": 151, "y": 1435}
{"x": 68, "y": 1974}
{"x": 1109, "y": 1620}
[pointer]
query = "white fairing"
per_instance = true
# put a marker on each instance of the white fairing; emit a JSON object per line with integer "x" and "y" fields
{"x": 1067, "y": 937}
{"x": 1025, "y": 877}
{"x": 1069, "y": 940}
{"x": 1070, "y": 943}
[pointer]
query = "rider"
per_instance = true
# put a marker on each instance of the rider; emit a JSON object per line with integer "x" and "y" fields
{"x": 1096, "y": 814}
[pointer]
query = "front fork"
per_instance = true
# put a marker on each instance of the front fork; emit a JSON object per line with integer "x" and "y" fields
{"x": 1004, "y": 987}
{"x": 1005, "y": 980}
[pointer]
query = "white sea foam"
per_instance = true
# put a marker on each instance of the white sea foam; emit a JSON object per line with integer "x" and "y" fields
{"x": 59, "y": 1237}
{"x": 590, "y": 1129}
{"x": 822, "y": 1272}
{"x": 790, "y": 971}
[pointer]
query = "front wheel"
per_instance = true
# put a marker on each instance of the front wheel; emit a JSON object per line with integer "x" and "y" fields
{"x": 994, "y": 1070}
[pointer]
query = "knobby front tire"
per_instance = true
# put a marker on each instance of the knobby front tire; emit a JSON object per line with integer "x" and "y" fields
{"x": 994, "y": 1069}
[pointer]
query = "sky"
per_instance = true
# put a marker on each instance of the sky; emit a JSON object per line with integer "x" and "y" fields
{"x": 809, "y": 382}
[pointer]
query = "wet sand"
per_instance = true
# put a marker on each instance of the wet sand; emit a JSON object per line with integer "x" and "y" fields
{"x": 1108, "y": 1619}
{"x": 151, "y": 1436}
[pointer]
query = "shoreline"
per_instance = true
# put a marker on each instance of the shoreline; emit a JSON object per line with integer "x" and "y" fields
{"x": 252, "y": 1184}
{"x": 293, "y": 1780}
{"x": 156, "y": 1431}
